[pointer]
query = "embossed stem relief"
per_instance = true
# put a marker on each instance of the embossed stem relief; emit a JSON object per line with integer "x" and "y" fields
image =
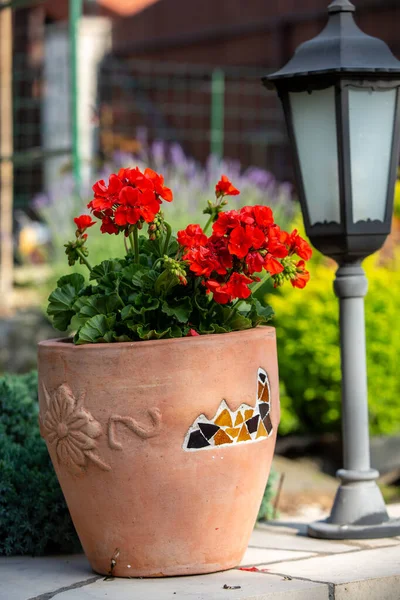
{"x": 74, "y": 431}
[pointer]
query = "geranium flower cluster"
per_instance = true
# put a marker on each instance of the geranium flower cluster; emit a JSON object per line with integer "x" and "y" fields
{"x": 130, "y": 198}
{"x": 243, "y": 243}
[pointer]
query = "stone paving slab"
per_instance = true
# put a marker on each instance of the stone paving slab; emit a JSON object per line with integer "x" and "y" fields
{"x": 23, "y": 577}
{"x": 372, "y": 574}
{"x": 251, "y": 586}
{"x": 270, "y": 537}
{"x": 257, "y": 556}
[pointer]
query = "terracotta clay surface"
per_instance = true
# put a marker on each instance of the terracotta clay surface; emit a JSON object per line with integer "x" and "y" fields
{"x": 115, "y": 417}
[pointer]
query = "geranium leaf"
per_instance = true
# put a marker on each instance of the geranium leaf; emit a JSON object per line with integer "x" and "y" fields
{"x": 104, "y": 268}
{"x": 140, "y": 304}
{"x": 61, "y": 301}
{"x": 144, "y": 332}
{"x": 179, "y": 309}
{"x": 260, "y": 315}
{"x": 75, "y": 279}
{"x": 96, "y": 329}
{"x": 89, "y": 306}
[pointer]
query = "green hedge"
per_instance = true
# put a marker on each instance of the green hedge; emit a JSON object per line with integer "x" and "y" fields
{"x": 308, "y": 349}
{"x": 34, "y": 518}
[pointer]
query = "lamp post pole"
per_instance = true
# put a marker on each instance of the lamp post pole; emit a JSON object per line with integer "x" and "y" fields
{"x": 359, "y": 510}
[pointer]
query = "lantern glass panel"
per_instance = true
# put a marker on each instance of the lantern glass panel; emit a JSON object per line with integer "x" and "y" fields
{"x": 314, "y": 124}
{"x": 371, "y": 121}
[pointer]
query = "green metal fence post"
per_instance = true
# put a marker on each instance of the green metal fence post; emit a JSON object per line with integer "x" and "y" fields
{"x": 217, "y": 112}
{"x": 75, "y": 13}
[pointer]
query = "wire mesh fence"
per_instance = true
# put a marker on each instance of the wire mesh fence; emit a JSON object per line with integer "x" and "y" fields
{"x": 74, "y": 104}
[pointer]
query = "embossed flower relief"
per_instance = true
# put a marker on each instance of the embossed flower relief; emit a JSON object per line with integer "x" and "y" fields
{"x": 68, "y": 425}
{"x": 73, "y": 430}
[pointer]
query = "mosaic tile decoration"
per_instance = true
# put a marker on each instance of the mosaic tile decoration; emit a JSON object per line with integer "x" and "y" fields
{"x": 247, "y": 424}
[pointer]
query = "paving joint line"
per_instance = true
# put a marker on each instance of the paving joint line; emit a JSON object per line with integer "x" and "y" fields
{"x": 74, "y": 586}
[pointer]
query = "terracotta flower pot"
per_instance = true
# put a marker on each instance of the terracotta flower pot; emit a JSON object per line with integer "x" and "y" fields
{"x": 162, "y": 448}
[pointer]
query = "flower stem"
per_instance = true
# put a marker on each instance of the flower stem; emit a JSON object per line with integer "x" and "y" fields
{"x": 136, "y": 243}
{"x": 131, "y": 242}
{"x": 167, "y": 237}
{"x": 83, "y": 259}
{"x": 207, "y": 225}
{"x": 260, "y": 283}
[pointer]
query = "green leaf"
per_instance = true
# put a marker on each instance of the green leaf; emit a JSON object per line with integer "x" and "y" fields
{"x": 75, "y": 279}
{"x": 97, "y": 329}
{"x": 144, "y": 332}
{"x": 179, "y": 309}
{"x": 105, "y": 268}
{"x": 99, "y": 304}
{"x": 61, "y": 301}
{"x": 140, "y": 304}
{"x": 239, "y": 322}
{"x": 214, "y": 328}
{"x": 133, "y": 274}
{"x": 122, "y": 338}
{"x": 260, "y": 315}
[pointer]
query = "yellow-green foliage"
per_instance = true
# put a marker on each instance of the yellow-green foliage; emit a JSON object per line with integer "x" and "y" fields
{"x": 308, "y": 346}
{"x": 397, "y": 199}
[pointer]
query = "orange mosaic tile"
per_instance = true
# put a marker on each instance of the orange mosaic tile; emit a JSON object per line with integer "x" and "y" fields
{"x": 244, "y": 434}
{"x": 222, "y": 438}
{"x": 248, "y": 414}
{"x": 239, "y": 419}
{"x": 261, "y": 431}
{"x": 224, "y": 419}
{"x": 233, "y": 431}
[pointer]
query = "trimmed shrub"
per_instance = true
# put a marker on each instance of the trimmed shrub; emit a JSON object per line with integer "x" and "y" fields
{"x": 308, "y": 349}
{"x": 34, "y": 518}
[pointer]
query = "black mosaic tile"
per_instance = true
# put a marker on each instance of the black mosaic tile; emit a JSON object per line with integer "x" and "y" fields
{"x": 262, "y": 377}
{"x": 252, "y": 423}
{"x": 264, "y": 409}
{"x": 197, "y": 440}
{"x": 267, "y": 423}
{"x": 208, "y": 429}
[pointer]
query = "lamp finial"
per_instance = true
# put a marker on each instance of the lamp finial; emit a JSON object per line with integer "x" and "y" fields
{"x": 341, "y": 6}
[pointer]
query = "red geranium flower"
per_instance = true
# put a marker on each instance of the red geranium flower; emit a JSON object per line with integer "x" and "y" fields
{"x": 302, "y": 275}
{"x": 225, "y": 188}
{"x": 83, "y": 222}
{"x": 107, "y": 226}
{"x": 255, "y": 262}
{"x": 298, "y": 245}
{"x": 192, "y": 237}
{"x": 242, "y": 239}
{"x": 159, "y": 187}
{"x": 272, "y": 265}
{"x": 105, "y": 196}
{"x": 192, "y": 333}
{"x": 263, "y": 215}
{"x": 226, "y": 220}
{"x": 238, "y": 285}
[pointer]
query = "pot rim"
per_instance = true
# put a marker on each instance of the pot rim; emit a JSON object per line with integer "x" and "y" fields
{"x": 66, "y": 343}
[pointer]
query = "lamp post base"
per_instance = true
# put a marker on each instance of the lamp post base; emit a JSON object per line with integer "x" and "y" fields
{"x": 358, "y": 512}
{"x": 331, "y": 531}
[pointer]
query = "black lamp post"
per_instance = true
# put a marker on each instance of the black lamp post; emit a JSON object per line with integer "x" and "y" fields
{"x": 341, "y": 98}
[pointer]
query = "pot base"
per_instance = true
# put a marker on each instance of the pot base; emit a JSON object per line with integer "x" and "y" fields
{"x": 173, "y": 571}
